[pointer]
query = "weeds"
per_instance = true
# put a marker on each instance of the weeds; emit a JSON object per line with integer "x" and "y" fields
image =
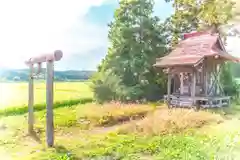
{"x": 111, "y": 114}
{"x": 158, "y": 134}
{"x": 118, "y": 146}
{"x": 166, "y": 121}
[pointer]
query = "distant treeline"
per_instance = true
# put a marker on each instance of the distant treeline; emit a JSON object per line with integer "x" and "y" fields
{"x": 22, "y": 75}
{"x": 70, "y": 75}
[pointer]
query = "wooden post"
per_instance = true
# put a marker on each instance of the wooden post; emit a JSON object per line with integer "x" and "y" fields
{"x": 181, "y": 83}
{"x": 193, "y": 88}
{"x": 206, "y": 83}
{"x": 219, "y": 87}
{"x": 169, "y": 86}
{"x": 30, "y": 101}
{"x": 49, "y": 117}
{"x": 217, "y": 79}
{"x": 215, "y": 85}
{"x": 205, "y": 78}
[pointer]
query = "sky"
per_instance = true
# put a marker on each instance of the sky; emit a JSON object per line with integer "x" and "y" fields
{"x": 77, "y": 27}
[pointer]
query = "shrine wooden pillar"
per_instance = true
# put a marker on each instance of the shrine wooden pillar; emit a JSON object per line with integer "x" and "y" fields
{"x": 193, "y": 85}
{"x": 181, "y": 83}
{"x": 169, "y": 85}
{"x": 214, "y": 83}
{"x": 206, "y": 77}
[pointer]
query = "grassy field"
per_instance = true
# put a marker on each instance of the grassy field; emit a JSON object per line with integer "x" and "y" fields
{"x": 115, "y": 131}
{"x": 16, "y": 94}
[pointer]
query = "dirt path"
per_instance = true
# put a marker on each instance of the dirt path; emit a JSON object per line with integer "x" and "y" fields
{"x": 75, "y": 131}
{"x": 4, "y": 155}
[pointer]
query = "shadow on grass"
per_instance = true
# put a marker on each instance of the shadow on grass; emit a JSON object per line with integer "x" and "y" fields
{"x": 38, "y": 107}
{"x": 35, "y": 136}
{"x": 227, "y": 112}
{"x": 66, "y": 153}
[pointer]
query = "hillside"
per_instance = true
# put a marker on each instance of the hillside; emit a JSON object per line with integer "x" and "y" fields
{"x": 22, "y": 75}
{"x": 69, "y": 75}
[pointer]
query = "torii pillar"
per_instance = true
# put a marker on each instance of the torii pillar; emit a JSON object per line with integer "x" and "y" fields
{"x": 49, "y": 59}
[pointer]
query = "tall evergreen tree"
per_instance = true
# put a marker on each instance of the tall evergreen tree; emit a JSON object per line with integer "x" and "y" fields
{"x": 136, "y": 38}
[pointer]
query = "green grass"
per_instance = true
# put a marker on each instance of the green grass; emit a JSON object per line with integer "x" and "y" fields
{"x": 85, "y": 130}
{"x": 16, "y": 94}
{"x": 119, "y": 146}
{"x": 206, "y": 142}
{"x": 38, "y": 107}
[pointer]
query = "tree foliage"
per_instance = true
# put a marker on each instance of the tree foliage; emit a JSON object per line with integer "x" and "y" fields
{"x": 191, "y": 15}
{"x": 235, "y": 70}
{"x": 230, "y": 85}
{"x": 136, "y": 38}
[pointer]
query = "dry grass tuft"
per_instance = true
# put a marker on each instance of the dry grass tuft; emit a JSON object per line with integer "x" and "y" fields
{"x": 165, "y": 121}
{"x": 111, "y": 114}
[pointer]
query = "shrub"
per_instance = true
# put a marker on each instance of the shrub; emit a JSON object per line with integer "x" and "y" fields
{"x": 108, "y": 86}
{"x": 230, "y": 85}
{"x": 104, "y": 86}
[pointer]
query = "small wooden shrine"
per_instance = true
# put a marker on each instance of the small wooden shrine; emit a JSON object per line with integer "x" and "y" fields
{"x": 193, "y": 69}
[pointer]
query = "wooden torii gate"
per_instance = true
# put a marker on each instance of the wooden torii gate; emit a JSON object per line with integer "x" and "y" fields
{"x": 49, "y": 59}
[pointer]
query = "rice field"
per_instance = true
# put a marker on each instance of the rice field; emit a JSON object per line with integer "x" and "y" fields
{"x": 16, "y": 94}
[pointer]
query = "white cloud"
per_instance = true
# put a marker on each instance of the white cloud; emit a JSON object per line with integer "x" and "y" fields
{"x": 30, "y": 27}
{"x": 233, "y": 46}
{"x": 232, "y": 43}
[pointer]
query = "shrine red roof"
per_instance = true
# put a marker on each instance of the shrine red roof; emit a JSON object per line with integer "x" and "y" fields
{"x": 194, "y": 48}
